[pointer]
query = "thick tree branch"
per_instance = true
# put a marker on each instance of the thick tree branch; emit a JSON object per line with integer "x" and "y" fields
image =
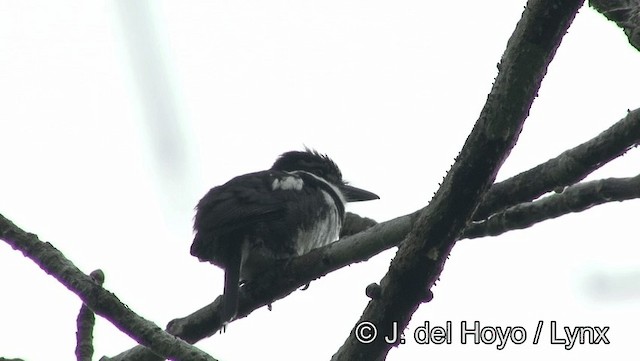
{"x": 85, "y": 322}
{"x": 102, "y": 302}
{"x": 625, "y": 13}
{"x": 564, "y": 170}
{"x": 421, "y": 256}
{"x": 576, "y": 198}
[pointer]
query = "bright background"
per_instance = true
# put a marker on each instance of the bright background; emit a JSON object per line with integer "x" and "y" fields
{"x": 117, "y": 117}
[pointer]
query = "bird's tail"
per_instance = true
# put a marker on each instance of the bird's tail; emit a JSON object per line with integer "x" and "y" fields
{"x": 232, "y": 283}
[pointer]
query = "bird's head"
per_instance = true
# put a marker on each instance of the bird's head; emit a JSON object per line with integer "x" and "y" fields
{"x": 321, "y": 166}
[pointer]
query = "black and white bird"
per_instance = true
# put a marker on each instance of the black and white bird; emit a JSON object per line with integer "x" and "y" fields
{"x": 254, "y": 219}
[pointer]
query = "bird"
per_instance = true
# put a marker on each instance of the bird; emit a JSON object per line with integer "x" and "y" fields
{"x": 245, "y": 225}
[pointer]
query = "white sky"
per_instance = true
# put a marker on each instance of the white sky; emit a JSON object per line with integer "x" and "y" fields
{"x": 390, "y": 90}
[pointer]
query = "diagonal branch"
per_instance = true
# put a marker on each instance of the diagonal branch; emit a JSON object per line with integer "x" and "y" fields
{"x": 421, "y": 256}
{"x": 625, "y": 13}
{"x": 576, "y": 198}
{"x": 101, "y": 301}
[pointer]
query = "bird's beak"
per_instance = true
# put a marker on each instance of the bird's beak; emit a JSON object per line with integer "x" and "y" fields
{"x": 353, "y": 194}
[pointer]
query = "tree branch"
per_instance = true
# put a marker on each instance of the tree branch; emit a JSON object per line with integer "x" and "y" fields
{"x": 421, "y": 256}
{"x": 102, "y": 302}
{"x": 85, "y": 322}
{"x": 576, "y": 198}
{"x": 564, "y": 170}
{"x": 625, "y": 13}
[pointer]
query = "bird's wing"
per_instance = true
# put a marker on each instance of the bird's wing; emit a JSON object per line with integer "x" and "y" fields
{"x": 244, "y": 206}
{"x": 241, "y": 202}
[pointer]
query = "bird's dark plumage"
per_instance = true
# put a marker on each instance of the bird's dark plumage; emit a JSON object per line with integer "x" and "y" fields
{"x": 245, "y": 224}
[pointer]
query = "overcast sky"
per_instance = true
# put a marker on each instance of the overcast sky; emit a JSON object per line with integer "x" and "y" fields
{"x": 116, "y": 119}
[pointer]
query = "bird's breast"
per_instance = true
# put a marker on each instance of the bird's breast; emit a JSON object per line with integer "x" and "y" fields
{"x": 324, "y": 229}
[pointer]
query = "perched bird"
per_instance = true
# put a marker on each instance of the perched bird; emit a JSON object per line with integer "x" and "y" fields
{"x": 246, "y": 224}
